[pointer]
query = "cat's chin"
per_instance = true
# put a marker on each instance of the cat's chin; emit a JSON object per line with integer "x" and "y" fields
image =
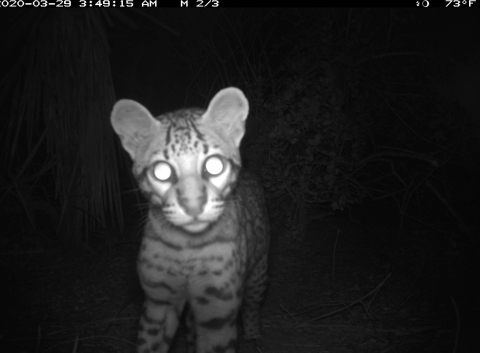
{"x": 196, "y": 227}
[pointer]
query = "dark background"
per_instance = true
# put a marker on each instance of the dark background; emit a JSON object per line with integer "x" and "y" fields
{"x": 364, "y": 128}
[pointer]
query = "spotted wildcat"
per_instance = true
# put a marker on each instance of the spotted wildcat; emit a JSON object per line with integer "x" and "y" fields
{"x": 206, "y": 238}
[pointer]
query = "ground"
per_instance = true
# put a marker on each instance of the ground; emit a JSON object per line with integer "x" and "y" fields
{"x": 348, "y": 285}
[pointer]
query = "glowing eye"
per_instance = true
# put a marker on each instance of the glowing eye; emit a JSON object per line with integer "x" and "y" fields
{"x": 162, "y": 171}
{"x": 214, "y": 165}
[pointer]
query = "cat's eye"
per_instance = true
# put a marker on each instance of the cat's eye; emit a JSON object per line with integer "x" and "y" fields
{"x": 162, "y": 171}
{"x": 214, "y": 165}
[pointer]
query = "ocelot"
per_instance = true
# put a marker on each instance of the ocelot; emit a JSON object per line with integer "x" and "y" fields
{"x": 206, "y": 238}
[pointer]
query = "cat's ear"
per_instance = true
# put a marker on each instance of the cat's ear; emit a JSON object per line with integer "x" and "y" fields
{"x": 227, "y": 113}
{"x": 133, "y": 123}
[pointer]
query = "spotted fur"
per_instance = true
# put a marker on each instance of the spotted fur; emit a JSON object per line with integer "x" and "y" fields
{"x": 205, "y": 241}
